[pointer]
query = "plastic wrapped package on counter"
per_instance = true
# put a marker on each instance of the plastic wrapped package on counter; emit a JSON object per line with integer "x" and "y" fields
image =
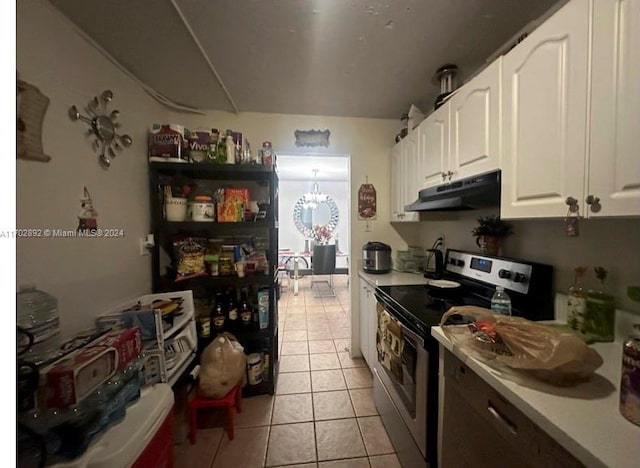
{"x": 541, "y": 351}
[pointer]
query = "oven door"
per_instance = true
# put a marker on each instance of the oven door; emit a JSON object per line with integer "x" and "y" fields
{"x": 403, "y": 367}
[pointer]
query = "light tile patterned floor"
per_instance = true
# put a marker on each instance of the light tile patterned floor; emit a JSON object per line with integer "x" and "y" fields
{"x": 322, "y": 414}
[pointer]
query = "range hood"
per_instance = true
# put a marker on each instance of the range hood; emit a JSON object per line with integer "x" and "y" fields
{"x": 481, "y": 191}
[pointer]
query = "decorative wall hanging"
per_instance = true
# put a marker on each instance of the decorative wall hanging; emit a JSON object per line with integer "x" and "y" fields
{"x": 316, "y": 214}
{"x": 88, "y": 216}
{"x": 103, "y": 127}
{"x": 312, "y": 138}
{"x": 367, "y": 201}
{"x": 32, "y": 105}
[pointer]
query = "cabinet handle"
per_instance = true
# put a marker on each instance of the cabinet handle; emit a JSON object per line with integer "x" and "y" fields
{"x": 450, "y": 174}
{"x": 502, "y": 418}
{"x": 444, "y": 175}
{"x": 573, "y": 204}
{"x": 593, "y": 202}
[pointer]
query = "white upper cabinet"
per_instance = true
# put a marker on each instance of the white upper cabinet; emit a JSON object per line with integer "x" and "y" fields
{"x": 433, "y": 152}
{"x": 404, "y": 177}
{"x": 475, "y": 125}
{"x": 614, "y": 156}
{"x": 544, "y": 128}
{"x": 396, "y": 183}
{"x": 410, "y": 175}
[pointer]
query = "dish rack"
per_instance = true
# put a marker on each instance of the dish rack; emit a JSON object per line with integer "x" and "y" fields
{"x": 412, "y": 260}
{"x": 169, "y": 342}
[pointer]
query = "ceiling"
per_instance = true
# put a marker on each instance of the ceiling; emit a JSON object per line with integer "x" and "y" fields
{"x": 349, "y": 58}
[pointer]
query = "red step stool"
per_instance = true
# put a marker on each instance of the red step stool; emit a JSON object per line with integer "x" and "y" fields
{"x": 231, "y": 399}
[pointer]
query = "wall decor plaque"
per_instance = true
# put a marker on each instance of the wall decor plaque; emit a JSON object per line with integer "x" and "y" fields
{"x": 32, "y": 105}
{"x": 367, "y": 202}
{"x": 312, "y": 138}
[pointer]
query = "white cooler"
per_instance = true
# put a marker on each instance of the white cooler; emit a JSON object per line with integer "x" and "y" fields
{"x": 142, "y": 439}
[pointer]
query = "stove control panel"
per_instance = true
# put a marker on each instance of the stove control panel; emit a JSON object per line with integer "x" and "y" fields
{"x": 510, "y": 274}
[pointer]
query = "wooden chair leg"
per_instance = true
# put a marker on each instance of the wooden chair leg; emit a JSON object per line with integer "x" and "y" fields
{"x": 193, "y": 424}
{"x": 230, "y": 422}
{"x": 239, "y": 400}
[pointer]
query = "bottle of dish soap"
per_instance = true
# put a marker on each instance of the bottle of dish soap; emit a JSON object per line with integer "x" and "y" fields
{"x": 576, "y": 302}
{"x": 501, "y": 302}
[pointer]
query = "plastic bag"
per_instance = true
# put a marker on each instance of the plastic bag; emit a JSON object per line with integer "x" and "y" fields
{"x": 222, "y": 366}
{"x": 542, "y": 351}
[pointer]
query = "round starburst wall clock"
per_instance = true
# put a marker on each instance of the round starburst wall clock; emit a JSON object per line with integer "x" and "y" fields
{"x": 103, "y": 127}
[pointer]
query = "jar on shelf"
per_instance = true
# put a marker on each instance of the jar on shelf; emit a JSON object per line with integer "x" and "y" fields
{"x": 267, "y": 153}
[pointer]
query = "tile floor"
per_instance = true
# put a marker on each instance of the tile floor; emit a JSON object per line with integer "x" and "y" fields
{"x": 322, "y": 414}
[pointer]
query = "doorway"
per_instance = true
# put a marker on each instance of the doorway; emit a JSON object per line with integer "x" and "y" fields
{"x": 314, "y": 208}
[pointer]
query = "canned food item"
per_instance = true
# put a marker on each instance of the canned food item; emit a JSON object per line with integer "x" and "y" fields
{"x": 254, "y": 368}
{"x": 630, "y": 380}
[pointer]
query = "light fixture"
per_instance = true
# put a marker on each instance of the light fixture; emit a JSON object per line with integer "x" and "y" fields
{"x": 312, "y": 199}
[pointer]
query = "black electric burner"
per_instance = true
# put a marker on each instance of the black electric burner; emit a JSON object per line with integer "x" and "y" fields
{"x": 421, "y": 309}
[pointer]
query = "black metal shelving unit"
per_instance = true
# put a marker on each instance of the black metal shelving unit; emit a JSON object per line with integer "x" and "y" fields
{"x": 258, "y": 176}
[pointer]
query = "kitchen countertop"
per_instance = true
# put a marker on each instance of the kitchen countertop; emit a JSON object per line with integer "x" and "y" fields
{"x": 584, "y": 419}
{"x": 393, "y": 278}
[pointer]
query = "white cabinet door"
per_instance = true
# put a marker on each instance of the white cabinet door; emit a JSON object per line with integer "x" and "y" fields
{"x": 433, "y": 134}
{"x": 544, "y": 82}
{"x": 364, "y": 321}
{"x": 396, "y": 183}
{"x": 410, "y": 175}
{"x": 475, "y": 125}
{"x": 373, "y": 328}
{"x": 614, "y": 157}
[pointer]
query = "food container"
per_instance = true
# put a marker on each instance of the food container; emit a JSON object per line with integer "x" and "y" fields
{"x": 254, "y": 368}
{"x": 630, "y": 380}
{"x": 202, "y": 209}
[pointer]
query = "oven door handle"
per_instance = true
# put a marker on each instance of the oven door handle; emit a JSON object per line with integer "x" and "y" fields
{"x": 407, "y": 332}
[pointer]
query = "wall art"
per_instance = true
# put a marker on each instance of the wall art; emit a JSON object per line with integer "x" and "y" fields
{"x": 312, "y": 138}
{"x": 32, "y": 105}
{"x": 103, "y": 127}
{"x": 367, "y": 200}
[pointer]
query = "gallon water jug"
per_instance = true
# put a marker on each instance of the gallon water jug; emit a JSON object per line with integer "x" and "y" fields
{"x": 37, "y": 313}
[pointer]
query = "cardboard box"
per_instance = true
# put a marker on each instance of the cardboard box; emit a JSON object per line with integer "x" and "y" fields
{"x": 127, "y": 342}
{"x": 73, "y": 378}
{"x": 263, "y": 309}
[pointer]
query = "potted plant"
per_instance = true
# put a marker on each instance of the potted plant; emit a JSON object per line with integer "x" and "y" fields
{"x": 489, "y": 233}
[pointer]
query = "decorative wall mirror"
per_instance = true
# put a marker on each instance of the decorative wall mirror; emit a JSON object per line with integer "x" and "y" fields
{"x": 103, "y": 127}
{"x": 316, "y": 214}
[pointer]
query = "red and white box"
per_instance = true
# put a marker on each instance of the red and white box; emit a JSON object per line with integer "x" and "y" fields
{"x": 72, "y": 378}
{"x": 127, "y": 342}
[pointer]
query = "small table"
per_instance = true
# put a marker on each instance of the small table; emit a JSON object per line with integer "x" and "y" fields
{"x": 285, "y": 255}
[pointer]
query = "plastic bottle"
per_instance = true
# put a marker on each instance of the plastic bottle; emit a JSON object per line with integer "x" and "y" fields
{"x": 219, "y": 315}
{"x": 231, "y": 148}
{"x": 501, "y": 302}
{"x": 576, "y": 306}
{"x": 233, "y": 317}
{"x": 37, "y": 313}
{"x": 246, "y": 314}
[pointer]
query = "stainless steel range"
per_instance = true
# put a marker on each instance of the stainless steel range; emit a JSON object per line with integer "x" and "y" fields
{"x": 406, "y": 371}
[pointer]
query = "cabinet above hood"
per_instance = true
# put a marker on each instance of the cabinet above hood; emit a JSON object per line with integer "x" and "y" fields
{"x": 481, "y": 191}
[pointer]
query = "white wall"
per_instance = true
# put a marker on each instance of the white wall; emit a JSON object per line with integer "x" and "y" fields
{"x": 86, "y": 275}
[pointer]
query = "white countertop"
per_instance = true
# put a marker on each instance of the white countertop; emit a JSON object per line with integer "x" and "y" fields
{"x": 393, "y": 278}
{"x": 584, "y": 419}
